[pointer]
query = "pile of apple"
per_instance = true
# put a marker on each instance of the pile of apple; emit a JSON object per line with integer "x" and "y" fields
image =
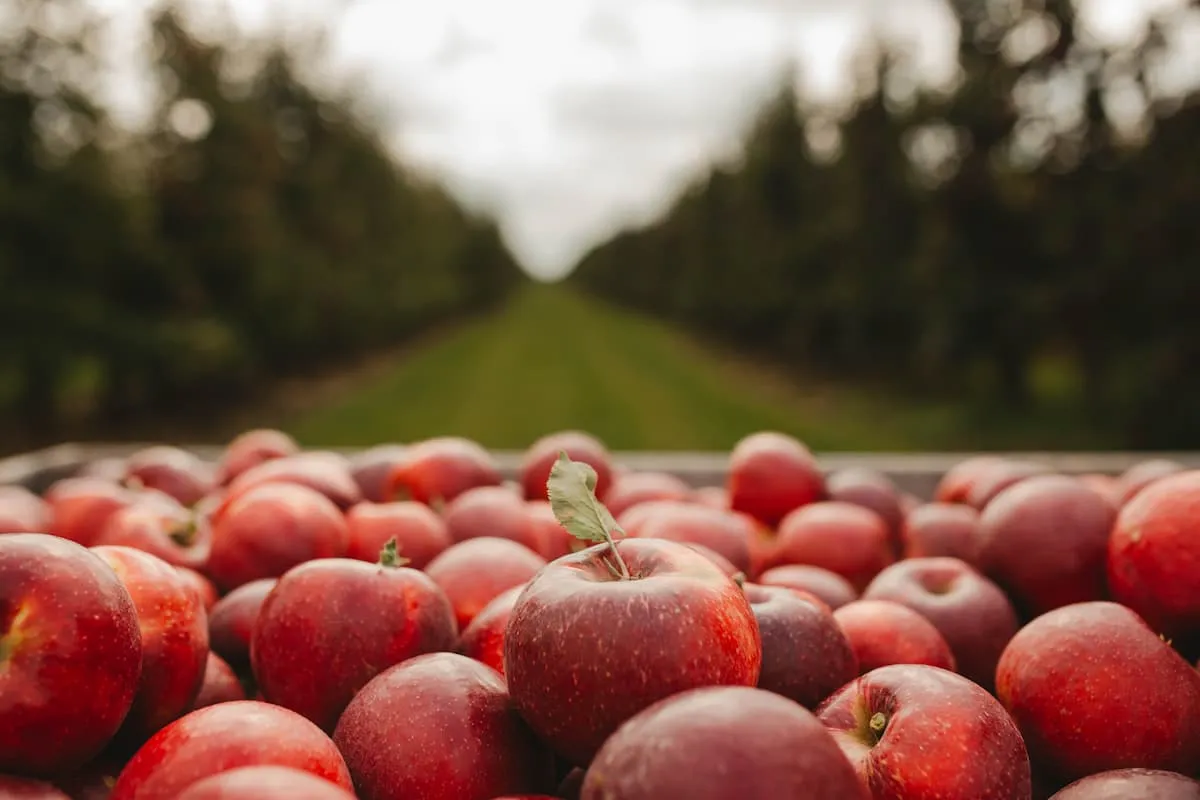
{"x": 406, "y": 625}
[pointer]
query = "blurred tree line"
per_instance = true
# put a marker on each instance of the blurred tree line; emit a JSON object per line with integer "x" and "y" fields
{"x": 258, "y": 227}
{"x": 989, "y": 241}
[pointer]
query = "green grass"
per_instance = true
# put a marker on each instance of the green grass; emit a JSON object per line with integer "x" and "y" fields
{"x": 552, "y": 359}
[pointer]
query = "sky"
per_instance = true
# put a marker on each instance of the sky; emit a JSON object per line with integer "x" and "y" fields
{"x": 568, "y": 120}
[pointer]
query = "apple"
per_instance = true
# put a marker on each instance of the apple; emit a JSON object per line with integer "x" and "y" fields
{"x": 80, "y": 507}
{"x": 843, "y": 538}
{"x": 1141, "y": 475}
{"x": 250, "y": 449}
{"x": 1154, "y": 557}
{"x": 723, "y": 563}
{"x": 440, "y": 469}
{"x": 973, "y": 614}
{"x": 805, "y": 654}
{"x": 1045, "y": 542}
{"x": 270, "y": 529}
{"x": 265, "y": 783}
{"x": 631, "y": 519}
{"x": 491, "y": 511}
{"x": 220, "y": 685}
{"x": 949, "y": 530}
{"x": 771, "y": 475}
{"x": 370, "y": 470}
{"x": 554, "y": 539}
{"x": 883, "y": 633}
{"x": 221, "y": 738}
{"x": 170, "y": 470}
{"x": 165, "y": 530}
{"x": 1000, "y": 477}
{"x": 832, "y": 589}
{"x": 93, "y": 782}
{"x": 460, "y": 739}
{"x": 12, "y": 788}
{"x": 231, "y": 622}
{"x": 710, "y": 497}
{"x": 917, "y": 732}
{"x": 483, "y": 639}
{"x": 201, "y": 585}
{"x": 958, "y": 481}
{"x": 1106, "y": 486}
{"x": 323, "y": 472}
{"x": 870, "y": 489}
{"x": 108, "y": 468}
{"x": 352, "y": 620}
{"x": 475, "y": 572}
{"x": 22, "y": 511}
{"x": 634, "y": 488}
{"x": 174, "y": 635}
{"x": 717, "y": 742}
{"x": 1127, "y": 784}
{"x": 723, "y": 532}
{"x": 540, "y": 457}
{"x": 70, "y": 654}
{"x": 1093, "y": 688}
{"x": 419, "y": 532}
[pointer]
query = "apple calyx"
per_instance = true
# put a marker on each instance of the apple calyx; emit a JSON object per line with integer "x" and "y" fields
{"x": 572, "y": 492}
{"x": 184, "y": 534}
{"x": 390, "y": 556}
{"x": 877, "y": 725}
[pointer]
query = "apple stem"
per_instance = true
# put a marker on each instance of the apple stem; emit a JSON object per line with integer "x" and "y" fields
{"x": 740, "y": 579}
{"x": 390, "y": 556}
{"x": 572, "y": 492}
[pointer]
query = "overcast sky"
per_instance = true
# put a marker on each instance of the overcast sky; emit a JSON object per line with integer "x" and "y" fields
{"x": 569, "y": 119}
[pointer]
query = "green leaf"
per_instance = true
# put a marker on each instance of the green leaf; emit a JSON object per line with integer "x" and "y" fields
{"x": 572, "y": 491}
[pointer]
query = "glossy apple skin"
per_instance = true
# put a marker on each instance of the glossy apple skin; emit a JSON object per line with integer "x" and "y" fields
{"x": 461, "y": 740}
{"x": 353, "y": 620}
{"x": 80, "y": 507}
{"x": 883, "y": 633}
{"x": 945, "y": 737}
{"x": 973, "y": 614}
{"x": 22, "y": 511}
{"x": 1154, "y": 558}
{"x": 440, "y": 469}
{"x": 1132, "y": 784}
{"x": 371, "y": 467}
{"x": 1139, "y": 476}
{"x": 724, "y": 532}
{"x": 935, "y": 530}
{"x": 841, "y": 537}
{"x": 584, "y": 652}
{"x": 771, "y": 475}
{"x": 870, "y": 489}
{"x": 224, "y": 737}
{"x": 475, "y": 572}
{"x": 174, "y": 635}
{"x": 12, "y": 788}
{"x": 1045, "y": 542}
{"x": 270, "y": 529}
{"x": 483, "y": 639}
{"x": 833, "y": 590}
{"x": 231, "y": 621}
{"x": 220, "y": 685}
{"x": 172, "y": 471}
{"x": 1132, "y": 700}
{"x": 165, "y": 530}
{"x": 634, "y": 488}
{"x": 541, "y": 455}
{"x": 553, "y": 539}
{"x": 265, "y": 783}
{"x": 722, "y": 742}
{"x": 491, "y": 511}
{"x": 250, "y": 449}
{"x": 1000, "y": 477}
{"x": 202, "y": 586}
{"x": 323, "y": 472}
{"x": 70, "y": 654}
{"x": 419, "y": 532}
{"x": 806, "y": 656}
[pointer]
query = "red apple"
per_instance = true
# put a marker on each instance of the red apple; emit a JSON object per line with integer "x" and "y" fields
{"x": 883, "y": 633}
{"x": 252, "y": 448}
{"x": 170, "y": 470}
{"x": 723, "y": 532}
{"x": 1106, "y": 486}
{"x": 475, "y": 572}
{"x": 959, "y": 480}
{"x": 710, "y": 497}
{"x": 806, "y": 656}
{"x": 220, "y": 684}
{"x": 843, "y": 538}
{"x": 70, "y": 654}
{"x": 1000, "y": 477}
{"x": 554, "y": 538}
{"x": 973, "y": 614}
{"x": 25, "y": 789}
{"x": 265, "y": 783}
{"x": 165, "y": 530}
{"x": 916, "y": 732}
{"x": 22, "y": 511}
{"x": 420, "y": 533}
{"x": 272, "y": 528}
{"x": 541, "y": 455}
{"x": 461, "y": 738}
{"x": 1154, "y": 557}
{"x": 201, "y": 585}
{"x": 635, "y": 488}
{"x": 323, "y": 472}
{"x": 1128, "y": 784}
{"x": 870, "y": 489}
{"x": 109, "y": 468}
{"x": 1044, "y": 541}
{"x": 440, "y": 469}
{"x": 949, "y": 530}
{"x": 719, "y": 742}
{"x": 631, "y": 519}
{"x": 352, "y": 620}
{"x": 586, "y": 649}
{"x": 224, "y": 737}
{"x": 1093, "y": 688}
{"x": 483, "y": 640}
{"x": 833, "y": 590}
{"x": 1139, "y": 476}
{"x": 370, "y": 469}
{"x": 80, "y": 507}
{"x": 231, "y": 622}
{"x": 491, "y": 511}
{"x": 722, "y": 563}
{"x": 771, "y": 475}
